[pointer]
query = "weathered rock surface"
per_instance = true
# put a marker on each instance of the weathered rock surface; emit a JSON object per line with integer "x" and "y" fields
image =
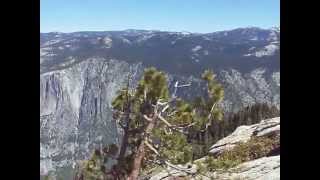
{"x": 170, "y": 172}
{"x": 244, "y": 133}
{"x": 266, "y": 168}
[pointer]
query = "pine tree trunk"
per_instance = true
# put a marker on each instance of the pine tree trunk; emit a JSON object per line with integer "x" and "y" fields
{"x": 140, "y": 152}
{"x": 124, "y": 143}
{"x": 137, "y": 162}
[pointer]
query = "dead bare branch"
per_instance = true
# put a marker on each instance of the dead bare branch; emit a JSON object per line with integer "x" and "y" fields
{"x": 186, "y": 170}
{"x": 151, "y": 147}
{"x": 209, "y": 116}
{"x": 184, "y": 85}
{"x": 121, "y": 125}
{"x": 163, "y": 120}
{"x": 165, "y": 108}
{"x": 187, "y": 126}
{"x": 147, "y": 118}
{"x": 176, "y": 86}
{"x": 145, "y": 94}
{"x": 176, "y": 128}
{"x": 171, "y": 114}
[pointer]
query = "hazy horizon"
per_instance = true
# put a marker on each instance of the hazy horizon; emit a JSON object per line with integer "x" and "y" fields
{"x": 201, "y": 16}
{"x": 139, "y": 29}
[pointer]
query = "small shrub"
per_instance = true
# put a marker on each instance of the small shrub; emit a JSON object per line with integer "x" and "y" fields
{"x": 255, "y": 148}
{"x": 201, "y": 168}
{"x": 221, "y": 163}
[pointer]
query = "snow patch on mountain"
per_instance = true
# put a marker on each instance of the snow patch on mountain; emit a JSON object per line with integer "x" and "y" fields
{"x": 254, "y": 38}
{"x": 175, "y": 41}
{"x": 185, "y": 33}
{"x": 43, "y": 52}
{"x": 268, "y": 50}
{"x": 108, "y": 42}
{"x": 52, "y": 42}
{"x": 276, "y": 78}
{"x": 273, "y": 36}
{"x": 125, "y": 40}
{"x": 196, "y": 48}
{"x": 144, "y": 37}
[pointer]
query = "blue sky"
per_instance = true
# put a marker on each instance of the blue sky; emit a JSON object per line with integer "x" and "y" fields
{"x": 169, "y": 15}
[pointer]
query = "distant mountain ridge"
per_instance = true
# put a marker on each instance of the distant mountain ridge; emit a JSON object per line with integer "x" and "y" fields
{"x": 242, "y": 49}
{"x": 276, "y": 28}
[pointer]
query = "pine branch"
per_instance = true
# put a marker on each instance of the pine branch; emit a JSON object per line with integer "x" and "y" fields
{"x": 147, "y": 118}
{"x": 163, "y": 120}
{"x": 161, "y": 103}
{"x": 176, "y": 128}
{"x": 186, "y": 170}
{"x": 151, "y": 147}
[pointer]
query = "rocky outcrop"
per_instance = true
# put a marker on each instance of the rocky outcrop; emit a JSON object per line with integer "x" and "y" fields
{"x": 264, "y": 168}
{"x": 170, "y": 172}
{"x": 244, "y": 133}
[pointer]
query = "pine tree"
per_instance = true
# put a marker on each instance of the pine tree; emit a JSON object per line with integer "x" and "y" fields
{"x": 208, "y": 112}
{"x": 157, "y": 127}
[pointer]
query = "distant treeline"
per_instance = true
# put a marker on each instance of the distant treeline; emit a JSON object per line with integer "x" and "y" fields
{"x": 219, "y": 129}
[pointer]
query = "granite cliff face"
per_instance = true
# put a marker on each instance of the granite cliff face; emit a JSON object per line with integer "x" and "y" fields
{"x": 75, "y": 110}
{"x": 80, "y": 74}
{"x": 257, "y": 86}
